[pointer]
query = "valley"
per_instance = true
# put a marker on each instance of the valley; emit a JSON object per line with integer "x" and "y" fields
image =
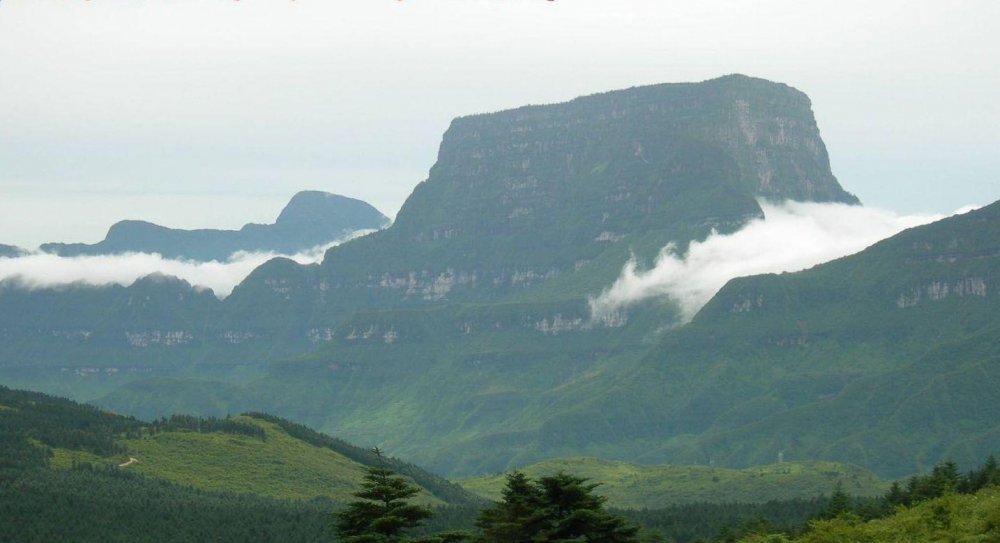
{"x": 465, "y": 337}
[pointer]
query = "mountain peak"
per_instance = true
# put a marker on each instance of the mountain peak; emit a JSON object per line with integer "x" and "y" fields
{"x": 323, "y": 208}
{"x": 521, "y": 196}
{"x": 310, "y": 219}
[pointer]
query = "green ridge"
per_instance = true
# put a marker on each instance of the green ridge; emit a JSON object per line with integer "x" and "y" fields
{"x": 260, "y": 455}
{"x": 632, "y": 486}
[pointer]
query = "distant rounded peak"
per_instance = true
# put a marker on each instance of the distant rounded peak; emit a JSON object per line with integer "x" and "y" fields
{"x": 308, "y": 205}
{"x": 160, "y": 279}
{"x": 132, "y": 223}
{"x": 131, "y": 226}
{"x": 315, "y": 195}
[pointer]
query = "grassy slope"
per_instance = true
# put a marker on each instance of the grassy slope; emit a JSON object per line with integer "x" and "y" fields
{"x": 632, "y": 486}
{"x": 953, "y": 518}
{"x": 279, "y": 467}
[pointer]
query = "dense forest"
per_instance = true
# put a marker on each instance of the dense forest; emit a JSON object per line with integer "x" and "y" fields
{"x": 89, "y": 502}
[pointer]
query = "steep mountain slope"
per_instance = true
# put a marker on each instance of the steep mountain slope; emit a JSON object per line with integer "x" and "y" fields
{"x": 83, "y": 340}
{"x": 541, "y": 204}
{"x": 886, "y": 359}
{"x": 522, "y": 197}
{"x": 310, "y": 218}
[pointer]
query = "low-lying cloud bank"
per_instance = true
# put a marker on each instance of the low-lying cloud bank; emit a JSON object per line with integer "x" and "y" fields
{"x": 42, "y": 270}
{"x": 793, "y": 236}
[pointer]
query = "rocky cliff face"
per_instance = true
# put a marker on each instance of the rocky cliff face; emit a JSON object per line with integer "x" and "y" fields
{"x": 537, "y": 196}
{"x": 522, "y": 197}
{"x": 524, "y": 214}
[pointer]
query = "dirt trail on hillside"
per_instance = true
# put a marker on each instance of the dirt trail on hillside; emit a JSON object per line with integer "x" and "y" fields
{"x": 131, "y": 461}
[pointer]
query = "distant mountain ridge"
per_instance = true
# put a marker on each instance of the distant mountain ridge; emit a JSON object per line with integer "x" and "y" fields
{"x": 310, "y": 219}
{"x": 10, "y": 251}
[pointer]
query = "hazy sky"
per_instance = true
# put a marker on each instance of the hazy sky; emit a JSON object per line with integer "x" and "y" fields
{"x": 214, "y": 112}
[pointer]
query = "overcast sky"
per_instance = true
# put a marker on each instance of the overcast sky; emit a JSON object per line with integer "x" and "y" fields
{"x": 213, "y": 113}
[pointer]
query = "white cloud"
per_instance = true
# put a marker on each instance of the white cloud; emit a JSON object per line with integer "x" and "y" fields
{"x": 793, "y": 236}
{"x": 42, "y": 270}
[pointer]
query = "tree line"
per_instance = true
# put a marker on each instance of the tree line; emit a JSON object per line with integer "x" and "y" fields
{"x": 558, "y": 508}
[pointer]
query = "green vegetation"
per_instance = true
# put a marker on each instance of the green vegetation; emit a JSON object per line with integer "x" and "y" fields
{"x": 559, "y": 507}
{"x": 111, "y": 505}
{"x": 60, "y": 480}
{"x": 461, "y": 336}
{"x": 953, "y": 517}
{"x": 437, "y": 486}
{"x": 382, "y": 513}
{"x": 250, "y": 454}
{"x": 89, "y": 498}
{"x": 831, "y": 363}
{"x": 280, "y": 467}
{"x": 632, "y": 486}
{"x": 942, "y": 505}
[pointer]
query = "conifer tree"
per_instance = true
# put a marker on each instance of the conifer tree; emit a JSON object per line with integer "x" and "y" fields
{"x": 382, "y": 513}
{"x": 519, "y": 516}
{"x": 840, "y": 504}
{"x": 577, "y": 514}
{"x": 559, "y": 508}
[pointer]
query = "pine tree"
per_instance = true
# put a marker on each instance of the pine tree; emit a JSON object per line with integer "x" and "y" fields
{"x": 518, "y": 517}
{"x": 560, "y": 508}
{"x": 896, "y": 495}
{"x": 840, "y": 504}
{"x": 577, "y": 513}
{"x": 382, "y": 514}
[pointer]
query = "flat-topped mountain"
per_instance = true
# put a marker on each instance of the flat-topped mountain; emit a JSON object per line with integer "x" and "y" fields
{"x": 563, "y": 192}
{"x": 311, "y": 218}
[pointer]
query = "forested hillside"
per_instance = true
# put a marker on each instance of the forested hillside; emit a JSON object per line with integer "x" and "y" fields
{"x": 250, "y": 454}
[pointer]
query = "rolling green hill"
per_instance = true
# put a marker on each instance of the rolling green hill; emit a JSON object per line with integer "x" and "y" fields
{"x": 251, "y": 454}
{"x": 279, "y": 466}
{"x": 633, "y": 486}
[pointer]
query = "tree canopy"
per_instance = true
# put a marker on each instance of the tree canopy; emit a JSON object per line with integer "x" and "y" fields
{"x": 558, "y": 508}
{"x": 382, "y": 513}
